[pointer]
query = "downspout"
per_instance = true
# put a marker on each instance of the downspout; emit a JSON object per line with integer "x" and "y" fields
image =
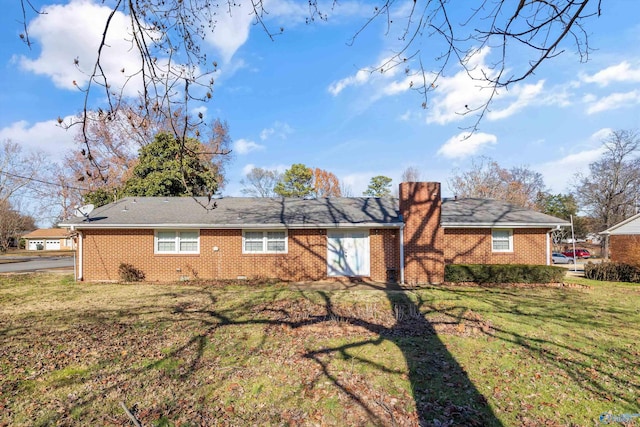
{"x": 402, "y": 254}
{"x": 549, "y": 246}
{"x": 80, "y": 250}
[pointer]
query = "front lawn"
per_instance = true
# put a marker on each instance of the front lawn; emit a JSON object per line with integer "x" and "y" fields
{"x": 265, "y": 354}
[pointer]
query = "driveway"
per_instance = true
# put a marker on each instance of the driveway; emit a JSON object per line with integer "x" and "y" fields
{"x": 578, "y": 269}
{"x": 24, "y": 264}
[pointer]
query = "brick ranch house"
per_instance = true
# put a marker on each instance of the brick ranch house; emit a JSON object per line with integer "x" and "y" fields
{"x": 407, "y": 240}
{"x": 624, "y": 241}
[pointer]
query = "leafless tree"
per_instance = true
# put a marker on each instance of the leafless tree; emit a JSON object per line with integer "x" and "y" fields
{"x": 410, "y": 174}
{"x": 260, "y": 182}
{"x": 20, "y": 181}
{"x": 345, "y": 189}
{"x": 17, "y": 170}
{"x": 611, "y": 191}
{"x": 12, "y": 225}
{"x": 486, "y": 179}
{"x": 174, "y": 68}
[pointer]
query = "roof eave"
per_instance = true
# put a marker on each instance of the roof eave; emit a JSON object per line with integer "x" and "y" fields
{"x": 504, "y": 225}
{"x": 620, "y": 224}
{"x": 232, "y": 226}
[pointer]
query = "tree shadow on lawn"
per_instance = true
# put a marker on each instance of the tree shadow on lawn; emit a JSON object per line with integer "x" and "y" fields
{"x": 570, "y": 317}
{"x": 441, "y": 389}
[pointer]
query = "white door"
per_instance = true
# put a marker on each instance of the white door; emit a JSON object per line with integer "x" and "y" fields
{"x": 348, "y": 253}
{"x": 52, "y": 245}
{"x": 33, "y": 244}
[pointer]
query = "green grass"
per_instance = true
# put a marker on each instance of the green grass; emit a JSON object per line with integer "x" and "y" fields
{"x": 265, "y": 354}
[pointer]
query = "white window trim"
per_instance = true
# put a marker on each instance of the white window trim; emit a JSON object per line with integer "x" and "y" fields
{"x": 177, "y": 242}
{"x": 510, "y": 249}
{"x": 264, "y": 242}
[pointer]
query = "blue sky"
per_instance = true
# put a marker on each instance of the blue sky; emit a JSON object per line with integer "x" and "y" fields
{"x": 301, "y": 99}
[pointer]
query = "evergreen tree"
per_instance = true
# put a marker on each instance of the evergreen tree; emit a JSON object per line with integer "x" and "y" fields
{"x": 379, "y": 186}
{"x": 296, "y": 182}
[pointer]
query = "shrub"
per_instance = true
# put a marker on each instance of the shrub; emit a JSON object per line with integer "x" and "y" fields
{"x": 128, "y": 273}
{"x": 612, "y": 272}
{"x": 503, "y": 273}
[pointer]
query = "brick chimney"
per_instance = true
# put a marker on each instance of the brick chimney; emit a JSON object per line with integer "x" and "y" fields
{"x": 420, "y": 206}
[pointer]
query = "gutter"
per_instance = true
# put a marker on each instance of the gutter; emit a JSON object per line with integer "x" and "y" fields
{"x": 309, "y": 226}
{"x": 502, "y": 225}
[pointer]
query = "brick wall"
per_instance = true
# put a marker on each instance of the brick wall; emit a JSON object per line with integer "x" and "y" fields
{"x": 625, "y": 248}
{"x": 104, "y": 250}
{"x": 473, "y": 246}
{"x": 385, "y": 254}
{"x": 420, "y": 206}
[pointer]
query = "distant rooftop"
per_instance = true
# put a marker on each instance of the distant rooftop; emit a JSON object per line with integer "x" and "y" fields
{"x": 47, "y": 233}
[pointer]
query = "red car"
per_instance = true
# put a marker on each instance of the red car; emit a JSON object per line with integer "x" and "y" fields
{"x": 580, "y": 253}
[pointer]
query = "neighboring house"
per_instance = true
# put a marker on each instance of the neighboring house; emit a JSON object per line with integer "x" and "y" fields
{"x": 48, "y": 239}
{"x": 384, "y": 239}
{"x": 624, "y": 241}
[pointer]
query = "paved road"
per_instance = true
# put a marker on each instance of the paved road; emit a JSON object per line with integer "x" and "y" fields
{"x": 29, "y": 264}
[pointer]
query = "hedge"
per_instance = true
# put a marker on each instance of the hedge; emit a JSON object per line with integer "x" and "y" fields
{"x": 503, "y": 273}
{"x": 612, "y": 272}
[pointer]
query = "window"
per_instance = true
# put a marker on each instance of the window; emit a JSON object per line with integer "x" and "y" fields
{"x": 177, "y": 242}
{"x": 502, "y": 240}
{"x": 264, "y": 242}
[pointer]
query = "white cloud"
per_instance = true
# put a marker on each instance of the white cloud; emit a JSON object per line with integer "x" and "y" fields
{"x": 622, "y": 72}
{"x": 46, "y": 137}
{"x": 202, "y": 109}
{"x": 398, "y": 86}
{"x": 468, "y": 91}
{"x": 247, "y": 168}
{"x": 244, "y": 146}
{"x": 614, "y": 101}
{"x": 391, "y": 68}
{"x": 452, "y": 98}
{"x": 465, "y": 145}
{"x": 409, "y": 115}
{"x": 279, "y": 129}
{"x": 559, "y": 174}
{"x": 358, "y": 79}
{"x": 463, "y": 92}
{"x": 233, "y": 24}
{"x": 524, "y": 94}
{"x": 66, "y": 32}
{"x": 358, "y": 182}
{"x": 231, "y": 29}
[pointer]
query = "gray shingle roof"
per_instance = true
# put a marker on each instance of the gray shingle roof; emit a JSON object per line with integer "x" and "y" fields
{"x": 244, "y": 212}
{"x": 238, "y": 212}
{"x": 483, "y": 212}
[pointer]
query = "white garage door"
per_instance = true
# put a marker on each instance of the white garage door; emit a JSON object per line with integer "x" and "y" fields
{"x": 33, "y": 244}
{"x": 52, "y": 245}
{"x": 348, "y": 253}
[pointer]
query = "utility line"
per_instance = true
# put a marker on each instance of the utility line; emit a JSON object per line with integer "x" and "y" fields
{"x": 43, "y": 182}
